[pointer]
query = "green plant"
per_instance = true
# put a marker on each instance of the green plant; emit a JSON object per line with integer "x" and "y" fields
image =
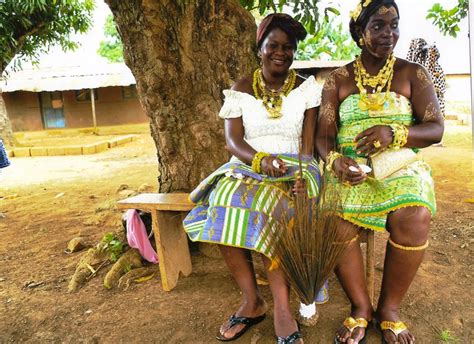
{"x": 447, "y": 20}
{"x": 446, "y": 336}
{"x": 330, "y": 41}
{"x": 30, "y": 27}
{"x": 112, "y": 245}
{"x": 305, "y": 11}
{"x": 111, "y": 48}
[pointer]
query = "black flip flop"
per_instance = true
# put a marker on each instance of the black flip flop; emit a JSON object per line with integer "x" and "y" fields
{"x": 233, "y": 320}
{"x": 291, "y": 339}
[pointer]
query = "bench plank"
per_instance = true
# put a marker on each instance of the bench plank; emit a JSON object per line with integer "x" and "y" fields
{"x": 158, "y": 201}
{"x": 172, "y": 247}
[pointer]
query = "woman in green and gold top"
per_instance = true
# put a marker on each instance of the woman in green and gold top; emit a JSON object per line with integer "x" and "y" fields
{"x": 380, "y": 104}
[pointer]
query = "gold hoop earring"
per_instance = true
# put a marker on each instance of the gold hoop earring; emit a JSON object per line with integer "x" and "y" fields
{"x": 361, "y": 42}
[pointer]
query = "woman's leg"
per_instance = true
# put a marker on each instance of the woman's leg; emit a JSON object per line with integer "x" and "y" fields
{"x": 239, "y": 262}
{"x": 284, "y": 322}
{"x": 408, "y": 227}
{"x": 351, "y": 275}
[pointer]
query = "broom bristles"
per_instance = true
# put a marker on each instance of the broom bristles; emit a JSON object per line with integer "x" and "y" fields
{"x": 310, "y": 240}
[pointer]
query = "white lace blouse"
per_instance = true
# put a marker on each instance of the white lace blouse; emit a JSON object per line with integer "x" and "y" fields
{"x": 276, "y": 136}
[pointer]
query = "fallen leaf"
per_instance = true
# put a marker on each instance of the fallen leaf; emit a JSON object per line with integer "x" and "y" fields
{"x": 61, "y": 194}
{"x": 144, "y": 278}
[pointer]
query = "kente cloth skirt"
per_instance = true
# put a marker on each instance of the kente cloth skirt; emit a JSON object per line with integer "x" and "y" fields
{"x": 237, "y": 207}
{"x": 368, "y": 204}
{"x": 4, "y": 162}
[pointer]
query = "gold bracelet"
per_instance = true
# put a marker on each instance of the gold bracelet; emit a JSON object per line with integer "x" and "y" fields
{"x": 400, "y": 135}
{"x": 408, "y": 248}
{"x": 257, "y": 161}
{"x": 332, "y": 156}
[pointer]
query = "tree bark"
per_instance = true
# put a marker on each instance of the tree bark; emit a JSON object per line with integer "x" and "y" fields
{"x": 183, "y": 54}
{"x": 6, "y": 133}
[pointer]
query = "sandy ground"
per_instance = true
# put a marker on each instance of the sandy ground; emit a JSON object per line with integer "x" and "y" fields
{"x": 46, "y": 201}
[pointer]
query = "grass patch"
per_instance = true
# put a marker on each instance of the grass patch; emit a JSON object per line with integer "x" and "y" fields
{"x": 446, "y": 336}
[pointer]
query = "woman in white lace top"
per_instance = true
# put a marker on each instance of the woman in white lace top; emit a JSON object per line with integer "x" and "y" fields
{"x": 270, "y": 117}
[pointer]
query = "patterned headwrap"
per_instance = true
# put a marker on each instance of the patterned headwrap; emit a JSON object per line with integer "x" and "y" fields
{"x": 364, "y": 10}
{"x": 293, "y": 28}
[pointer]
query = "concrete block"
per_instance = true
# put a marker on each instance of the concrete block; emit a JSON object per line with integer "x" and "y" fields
{"x": 39, "y": 151}
{"x": 88, "y": 149}
{"x": 101, "y": 146}
{"x": 54, "y": 151}
{"x": 113, "y": 143}
{"x": 21, "y": 152}
{"x": 73, "y": 150}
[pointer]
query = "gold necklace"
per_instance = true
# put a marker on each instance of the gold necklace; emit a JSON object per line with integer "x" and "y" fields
{"x": 374, "y": 101}
{"x": 272, "y": 99}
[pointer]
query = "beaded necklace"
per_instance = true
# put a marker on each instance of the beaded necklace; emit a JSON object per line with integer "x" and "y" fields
{"x": 374, "y": 101}
{"x": 272, "y": 99}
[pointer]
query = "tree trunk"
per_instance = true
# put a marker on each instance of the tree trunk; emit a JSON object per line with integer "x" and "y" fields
{"x": 6, "y": 133}
{"x": 183, "y": 54}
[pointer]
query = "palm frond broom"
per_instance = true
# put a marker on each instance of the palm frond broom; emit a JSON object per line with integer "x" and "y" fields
{"x": 310, "y": 240}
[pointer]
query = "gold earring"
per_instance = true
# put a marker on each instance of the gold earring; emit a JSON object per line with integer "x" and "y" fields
{"x": 361, "y": 42}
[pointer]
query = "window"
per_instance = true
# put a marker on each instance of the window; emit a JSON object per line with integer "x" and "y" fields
{"x": 85, "y": 95}
{"x": 129, "y": 92}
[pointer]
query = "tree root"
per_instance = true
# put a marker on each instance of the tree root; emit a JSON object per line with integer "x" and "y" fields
{"x": 129, "y": 260}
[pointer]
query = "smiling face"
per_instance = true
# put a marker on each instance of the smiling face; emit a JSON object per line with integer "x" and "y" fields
{"x": 277, "y": 52}
{"x": 381, "y": 32}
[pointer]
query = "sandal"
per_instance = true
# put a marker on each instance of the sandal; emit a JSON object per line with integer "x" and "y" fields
{"x": 291, "y": 339}
{"x": 233, "y": 320}
{"x": 396, "y": 327}
{"x": 350, "y": 324}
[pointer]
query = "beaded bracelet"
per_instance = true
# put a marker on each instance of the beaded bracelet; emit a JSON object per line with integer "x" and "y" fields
{"x": 257, "y": 161}
{"x": 332, "y": 156}
{"x": 400, "y": 136}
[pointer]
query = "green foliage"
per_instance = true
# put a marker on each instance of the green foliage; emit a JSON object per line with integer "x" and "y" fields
{"x": 446, "y": 336}
{"x": 447, "y": 20}
{"x": 112, "y": 245}
{"x": 30, "y": 27}
{"x": 111, "y": 48}
{"x": 305, "y": 11}
{"x": 331, "y": 40}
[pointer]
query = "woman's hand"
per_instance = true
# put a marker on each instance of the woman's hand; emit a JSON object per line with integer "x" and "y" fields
{"x": 348, "y": 171}
{"x": 374, "y": 139}
{"x": 299, "y": 187}
{"x": 273, "y": 166}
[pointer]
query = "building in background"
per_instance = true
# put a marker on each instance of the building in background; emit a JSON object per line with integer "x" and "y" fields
{"x": 61, "y": 97}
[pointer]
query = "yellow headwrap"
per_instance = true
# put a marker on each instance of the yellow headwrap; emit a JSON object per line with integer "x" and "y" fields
{"x": 356, "y": 13}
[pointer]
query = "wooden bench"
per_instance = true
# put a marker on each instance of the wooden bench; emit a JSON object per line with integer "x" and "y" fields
{"x": 167, "y": 212}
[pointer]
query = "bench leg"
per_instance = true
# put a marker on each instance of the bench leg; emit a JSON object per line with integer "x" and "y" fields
{"x": 172, "y": 247}
{"x": 370, "y": 264}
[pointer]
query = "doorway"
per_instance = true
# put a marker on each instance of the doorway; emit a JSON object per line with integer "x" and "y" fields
{"x": 52, "y": 110}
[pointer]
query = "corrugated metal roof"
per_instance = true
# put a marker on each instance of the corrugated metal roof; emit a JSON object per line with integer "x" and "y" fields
{"x": 68, "y": 78}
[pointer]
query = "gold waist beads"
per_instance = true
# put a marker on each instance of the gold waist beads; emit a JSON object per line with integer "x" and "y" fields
{"x": 272, "y": 99}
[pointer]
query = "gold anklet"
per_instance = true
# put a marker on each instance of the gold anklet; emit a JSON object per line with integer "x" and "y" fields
{"x": 408, "y": 248}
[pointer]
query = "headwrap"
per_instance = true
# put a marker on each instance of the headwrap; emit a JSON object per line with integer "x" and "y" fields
{"x": 364, "y": 10}
{"x": 293, "y": 28}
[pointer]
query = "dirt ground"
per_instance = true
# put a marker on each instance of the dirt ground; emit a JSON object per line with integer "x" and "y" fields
{"x": 46, "y": 201}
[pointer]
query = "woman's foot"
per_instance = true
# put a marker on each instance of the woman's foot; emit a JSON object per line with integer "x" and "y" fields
{"x": 393, "y": 330}
{"x": 229, "y": 330}
{"x": 354, "y": 328}
{"x": 286, "y": 326}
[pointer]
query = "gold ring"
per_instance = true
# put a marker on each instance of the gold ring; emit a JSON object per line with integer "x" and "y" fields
{"x": 377, "y": 144}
